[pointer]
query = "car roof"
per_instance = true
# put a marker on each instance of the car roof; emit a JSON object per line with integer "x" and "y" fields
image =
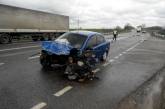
{"x": 86, "y": 33}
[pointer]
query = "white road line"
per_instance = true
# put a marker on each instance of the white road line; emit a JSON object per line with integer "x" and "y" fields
{"x": 2, "y": 64}
{"x": 34, "y": 57}
{"x": 19, "y": 53}
{"x": 19, "y": 48}
{"x": 64, "y": 90}
{"x": 96, "y": 70}
{"x": 116, "y": 57}
{"x": 124, "y": 37}
{"x": 39, "y": 105}
{"x": 111, "y": 60}
{"x": 129, "y": 49}
{"x": 120, "y": 54}
{"x": 133, "y": 47}
{"x": 107, "y": 63}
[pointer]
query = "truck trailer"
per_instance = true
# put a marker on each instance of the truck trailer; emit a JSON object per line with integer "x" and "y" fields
{"x": 17, "y": 23}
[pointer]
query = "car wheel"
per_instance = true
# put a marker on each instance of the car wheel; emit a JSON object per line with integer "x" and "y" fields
{"x": 44, "y": 61}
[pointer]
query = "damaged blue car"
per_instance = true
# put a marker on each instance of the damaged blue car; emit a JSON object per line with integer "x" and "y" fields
{"x": 71, "y": 47}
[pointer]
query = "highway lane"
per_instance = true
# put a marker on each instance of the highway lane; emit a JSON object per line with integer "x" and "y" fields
{"x": 20, "y": 70}
{"x": 24, "y": 84}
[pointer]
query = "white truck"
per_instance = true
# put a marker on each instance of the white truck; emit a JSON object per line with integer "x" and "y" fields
{"x": 138, "y": 29}
{"x": 16, "y": 22}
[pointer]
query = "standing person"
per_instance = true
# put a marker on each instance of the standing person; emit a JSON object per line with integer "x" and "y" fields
{"x": 115, "y": 35}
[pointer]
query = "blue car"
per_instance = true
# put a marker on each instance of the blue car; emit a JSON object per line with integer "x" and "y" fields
{"x": 74, "y": 44}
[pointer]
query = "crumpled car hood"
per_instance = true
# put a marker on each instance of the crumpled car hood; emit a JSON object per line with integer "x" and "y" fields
{"x": 55, "y": 47}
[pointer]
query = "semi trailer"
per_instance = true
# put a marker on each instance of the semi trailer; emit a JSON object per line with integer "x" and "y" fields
{"x": 18, "y": 23}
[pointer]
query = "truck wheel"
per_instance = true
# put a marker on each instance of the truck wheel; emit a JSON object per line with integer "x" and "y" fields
{"x": 5, "y": 39}
{"x": 42, "y": 39}
{"x": 34, "y": 38}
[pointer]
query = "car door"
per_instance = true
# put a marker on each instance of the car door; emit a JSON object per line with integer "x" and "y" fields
{"x": 91, "y": 43}
{"x": 97, "y": 44}
{"x": 100, "y": 47}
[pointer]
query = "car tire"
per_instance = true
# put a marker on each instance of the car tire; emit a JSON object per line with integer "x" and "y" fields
{"x": 45, "y": 61}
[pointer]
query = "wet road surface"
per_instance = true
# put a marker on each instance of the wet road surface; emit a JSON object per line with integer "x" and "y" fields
{"x": 24, "y": 84}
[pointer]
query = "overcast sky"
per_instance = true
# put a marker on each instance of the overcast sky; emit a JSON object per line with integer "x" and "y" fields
{"x": 101, "y": 13}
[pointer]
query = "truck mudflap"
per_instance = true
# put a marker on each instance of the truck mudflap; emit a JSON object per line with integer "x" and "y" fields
{"x": 58, "y": 48}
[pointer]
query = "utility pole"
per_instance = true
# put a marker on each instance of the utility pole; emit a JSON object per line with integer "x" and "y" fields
{"x": 78, "y": 24}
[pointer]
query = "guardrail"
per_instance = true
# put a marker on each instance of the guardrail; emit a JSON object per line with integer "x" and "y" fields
{"x": 158, "y": 35}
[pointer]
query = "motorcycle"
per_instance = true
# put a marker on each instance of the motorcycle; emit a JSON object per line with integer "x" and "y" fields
{"x": 80, "y": 67}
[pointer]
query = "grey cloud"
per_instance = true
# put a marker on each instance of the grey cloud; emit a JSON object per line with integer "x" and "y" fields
{"x": 101, "y": 13}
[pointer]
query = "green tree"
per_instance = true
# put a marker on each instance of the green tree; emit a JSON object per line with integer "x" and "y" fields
{"x": 128, "y": 27}
{"x": 118, "y": 28}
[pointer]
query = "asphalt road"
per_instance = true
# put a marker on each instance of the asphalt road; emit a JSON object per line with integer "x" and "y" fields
{"x": 25, "y": 85}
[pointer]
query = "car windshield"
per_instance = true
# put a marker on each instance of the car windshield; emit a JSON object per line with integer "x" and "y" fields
{"x": 74, "y": 39}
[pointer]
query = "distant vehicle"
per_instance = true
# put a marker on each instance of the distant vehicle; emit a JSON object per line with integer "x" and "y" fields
{"x": 17, "y": 23}
{"x": 143, "y": 31}
{"x": 138, "y": 29}
{"x": 74, "y": 48}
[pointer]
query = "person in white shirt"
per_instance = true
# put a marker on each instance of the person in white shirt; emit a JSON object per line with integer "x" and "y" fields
{"x": 115, "y": 35}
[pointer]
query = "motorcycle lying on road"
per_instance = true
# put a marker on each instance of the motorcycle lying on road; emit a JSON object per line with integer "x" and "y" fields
{"x": 81, "y": 67}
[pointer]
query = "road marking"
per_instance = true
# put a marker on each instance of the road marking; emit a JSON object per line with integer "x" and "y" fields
{"x": 39, "y": 105}
{"x": 2, "y": 64}
{"x": 124, "y": 37}
{"x": 107, "y": 63}
{"x": 19, "y": 53}
{"x": 120, "y": 54}
{"x": 34, "y": 57}
{"x": 20, "y": 48}
{"x": 116, "y": 57}
{"x": 111, "y": 60}
{"x": 96, "y": 70}
{"x": 129, "y": 49}
{"x": 64, "y": 90}
{"x": 133, "y": 47}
